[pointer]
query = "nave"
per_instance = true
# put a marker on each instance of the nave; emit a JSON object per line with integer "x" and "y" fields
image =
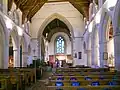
{"x": 59, "y": 44}
{"x": 79, "y": 78}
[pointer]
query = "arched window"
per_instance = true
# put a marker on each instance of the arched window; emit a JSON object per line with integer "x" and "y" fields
{"x": 60, "y": 45}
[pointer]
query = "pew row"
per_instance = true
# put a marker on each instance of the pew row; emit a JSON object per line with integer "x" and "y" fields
{"x": 103, "y": 87}
{"x": 82, "y": 69}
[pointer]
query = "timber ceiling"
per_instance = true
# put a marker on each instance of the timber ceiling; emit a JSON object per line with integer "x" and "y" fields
{"x": 53, "y": 27}
{"x": 31, "y": 7}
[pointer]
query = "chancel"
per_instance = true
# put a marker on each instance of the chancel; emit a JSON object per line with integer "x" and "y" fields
{"x": 59, "y": 44}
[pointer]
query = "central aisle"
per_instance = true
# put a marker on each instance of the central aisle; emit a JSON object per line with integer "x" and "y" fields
{"x": 40, "y": 85}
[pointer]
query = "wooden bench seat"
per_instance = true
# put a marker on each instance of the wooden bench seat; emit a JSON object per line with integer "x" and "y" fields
{"x": 82, "y": 69}
{"x": 85, "y": 73}
{"x": 97, "y": 77}
{"x": 84, "y": 82}
{"x": 103, "y": 87}
{"x": 18, "y": 77}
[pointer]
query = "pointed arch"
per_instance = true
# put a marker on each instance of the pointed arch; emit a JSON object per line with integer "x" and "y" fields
{"x": 15, "y": 41}
{"x": 52, "y": 17}
{"x": 95, "y": 45}
{"x": 3, "y": 44}
{"x": 15, "y": 37}
{"x": 116, "y": 30}
{"x": 103, "y": 24}
{"x": 47, "y": 21}
{"x": 116, "y": 16}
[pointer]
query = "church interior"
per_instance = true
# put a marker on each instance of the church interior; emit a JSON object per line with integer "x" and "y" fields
{"x": 59, "y": 44}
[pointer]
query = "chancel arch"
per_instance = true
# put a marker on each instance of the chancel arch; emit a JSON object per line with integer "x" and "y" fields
{"x": 54, "y": 24}
{"x": 51, "y": 18}
{"x": 54, "y": 27}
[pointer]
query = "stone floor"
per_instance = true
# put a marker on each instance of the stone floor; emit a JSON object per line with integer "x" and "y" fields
{"x": 40, "y": 84}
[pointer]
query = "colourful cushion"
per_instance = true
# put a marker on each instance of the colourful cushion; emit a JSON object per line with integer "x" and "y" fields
{"x": 59, "y": 84}
{"x": 73, "y": 78}
{"x": 88, "y": 78}
{"x": 95, "y": 83}
{"x": 75, "y": 84}
{"x": 60, "y": 78}
{"x": 112, "y": 83}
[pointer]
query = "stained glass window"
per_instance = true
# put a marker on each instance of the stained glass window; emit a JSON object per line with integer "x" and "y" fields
{"x": 60, "y": 45}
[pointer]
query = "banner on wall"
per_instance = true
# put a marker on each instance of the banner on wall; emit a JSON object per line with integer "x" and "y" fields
{"x": 51, "y": 58}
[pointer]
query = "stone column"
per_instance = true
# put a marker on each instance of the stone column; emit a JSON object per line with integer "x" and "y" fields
{"x": 6, "y": 54}
{"x": 1, "y": 55}
{"x": 39, "y": 48}
{"x": 94, "y": 50}
{"x": 24, "y": 59}
{"x": 117, "y": 50}
{"x": 35, "y": 47}
{"x": 94, "y": 60}
{"x": 89, "y": 57}
{"x": 16, "y": 57}
{"x": 103, "y": 48}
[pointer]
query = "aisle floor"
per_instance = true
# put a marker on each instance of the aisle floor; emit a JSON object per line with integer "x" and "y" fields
{"x": 40, "y": 84}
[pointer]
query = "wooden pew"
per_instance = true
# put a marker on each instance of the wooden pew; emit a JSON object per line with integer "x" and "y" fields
{"x": 80, "y": 74}
{"x": 97, "y": 77}
{"x": 7, "y": 75}
{"x": 84, "y": 73}
{"x": 18, "y": 77}
{"x": 4, "y": 83}
{"x": 102, "y": 87}
{"x": 83, "y": 82}
{"x": 82, "y": 69}
{"x": 29, "y": 75}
